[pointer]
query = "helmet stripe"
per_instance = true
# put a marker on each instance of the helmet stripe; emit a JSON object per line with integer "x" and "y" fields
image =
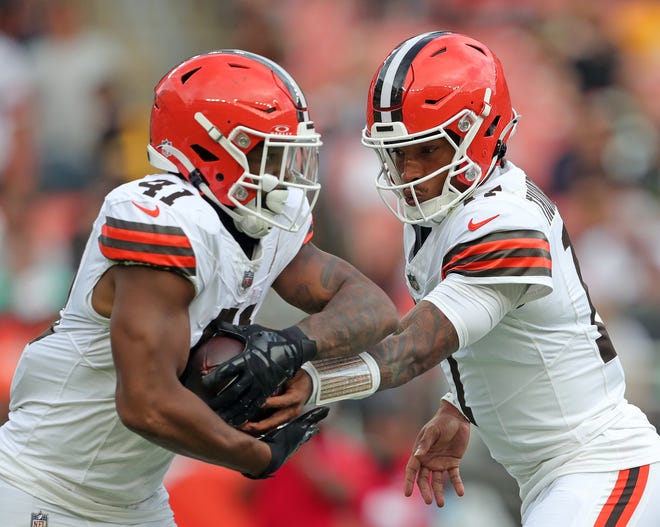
{"x": 388, "y": 90}
{"x": 291, "y": 85}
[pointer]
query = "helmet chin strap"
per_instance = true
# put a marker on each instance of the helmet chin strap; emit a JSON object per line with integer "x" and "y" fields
{"x": 245, "y": 218}
{"x": 428, "y": 211}
{"x": 253, "y": 226}
{"x": 252, "y": 221}
{"x": 245, "y": 222}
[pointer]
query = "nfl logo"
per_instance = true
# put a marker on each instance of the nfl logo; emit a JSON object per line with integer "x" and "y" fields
{"x": 39, "y": 519}
{"x": 248, "y": 278}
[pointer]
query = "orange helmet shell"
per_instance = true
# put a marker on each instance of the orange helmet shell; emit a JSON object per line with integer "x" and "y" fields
{"x": 231, "y": 88}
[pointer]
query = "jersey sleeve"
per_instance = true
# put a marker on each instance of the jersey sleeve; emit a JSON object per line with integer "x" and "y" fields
{"x": 515, "y": 253}
{"x": 474, "y": 309}
{"x": 512, "y": 247}
{"x": 129, "y": 235}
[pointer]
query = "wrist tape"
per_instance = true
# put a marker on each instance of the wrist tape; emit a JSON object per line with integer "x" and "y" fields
{"x": 342, "y": 378}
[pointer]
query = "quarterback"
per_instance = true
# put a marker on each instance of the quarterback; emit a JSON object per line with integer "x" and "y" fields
{"x": 97, "y": 409}
{"x": 500, "y": 303}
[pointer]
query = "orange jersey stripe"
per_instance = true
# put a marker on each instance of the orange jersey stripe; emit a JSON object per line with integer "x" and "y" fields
{"x": 501, "y": 245}
{"x": 310, "y": 233}
{"x": 160, "y": 260}
{"x": 145, "y": 237}
{"x": 512, "y": 253}
{"x": 157, "y": 245}
{"x": 502, "y": 263}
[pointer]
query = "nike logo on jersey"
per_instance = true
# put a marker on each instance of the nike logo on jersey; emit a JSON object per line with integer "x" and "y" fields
{"x": 152, "y": 212}
{"x": 474, "y": 226}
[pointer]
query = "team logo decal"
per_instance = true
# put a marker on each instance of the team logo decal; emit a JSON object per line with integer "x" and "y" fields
{"x": 39, "y": 519}
{"x": 164, "y": 146}
{"x": 413, "y": 281}
{"x": 248, "y": 278}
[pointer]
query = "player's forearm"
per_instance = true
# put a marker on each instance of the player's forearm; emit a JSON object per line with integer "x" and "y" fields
{"x": 182, "y": 423}
{"x": 356, "y": 317}
{"x": 425, "y": 338}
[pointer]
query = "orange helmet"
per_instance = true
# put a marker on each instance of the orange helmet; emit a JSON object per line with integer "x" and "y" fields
{"x": 439, "y": 85}
{"x": 211, "y": 111}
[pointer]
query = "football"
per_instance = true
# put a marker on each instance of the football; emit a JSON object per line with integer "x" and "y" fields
{"x": 205, "y": 358}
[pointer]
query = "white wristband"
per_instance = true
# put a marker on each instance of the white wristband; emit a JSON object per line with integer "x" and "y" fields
{"x": 314, "y": 375}
{"x": 342, "y": 378}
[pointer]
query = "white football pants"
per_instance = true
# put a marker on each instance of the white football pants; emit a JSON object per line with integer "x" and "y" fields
{"x": 628, "y": 498}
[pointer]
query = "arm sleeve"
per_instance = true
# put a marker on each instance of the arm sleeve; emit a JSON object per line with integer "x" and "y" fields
{"x": 474, "y": 309}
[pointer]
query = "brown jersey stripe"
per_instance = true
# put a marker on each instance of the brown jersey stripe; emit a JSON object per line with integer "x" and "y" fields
{"x": 487, "y": 244}
{"x": 500, "y": 254}
{"x": 510, "y": 266}
{"x": 174, "y": 240}
{"x": 143, "y": 227}
{"x": 183, "y": 264}
{"x": 625, "y": 497}
{"x": 498, "y": 236}
{"x": 513, "y": 253}
{"x": 156, "y": 245}
{"x": 167, "y": 250}
{"x": 503, "y": 263}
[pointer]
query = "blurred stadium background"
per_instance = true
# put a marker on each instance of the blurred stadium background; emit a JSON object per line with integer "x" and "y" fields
{"x": 76, "y": 80}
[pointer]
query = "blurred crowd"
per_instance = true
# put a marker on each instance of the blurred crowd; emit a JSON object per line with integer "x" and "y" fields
{"x": 75, "y": 93}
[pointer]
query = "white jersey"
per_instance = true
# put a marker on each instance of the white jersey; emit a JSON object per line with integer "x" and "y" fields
{"x": 544, "y": 387}
{"x": 64, "y": 442}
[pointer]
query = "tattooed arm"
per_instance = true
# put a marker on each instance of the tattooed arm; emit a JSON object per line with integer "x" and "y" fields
{"x": 424, "y": 339}
{"x": 349, "y": 312}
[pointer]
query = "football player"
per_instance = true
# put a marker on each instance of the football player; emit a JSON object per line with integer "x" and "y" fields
{"x": 97, "y": 408}
{"x": 500, "y": 303}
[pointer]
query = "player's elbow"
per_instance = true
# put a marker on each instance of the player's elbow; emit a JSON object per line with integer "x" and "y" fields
{"x": 140, "y": 414}
{"x": 380, "y": 307}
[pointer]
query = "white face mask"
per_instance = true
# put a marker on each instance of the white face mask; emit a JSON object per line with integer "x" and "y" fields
{"x": 286, "y": 207}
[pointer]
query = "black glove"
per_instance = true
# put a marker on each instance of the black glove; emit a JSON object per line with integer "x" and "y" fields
{"x": 271, "y": 357}
{"x": 287, "y": 438}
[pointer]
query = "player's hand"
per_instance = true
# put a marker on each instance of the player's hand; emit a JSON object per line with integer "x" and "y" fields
{"x": 270, "y": 358}
{"x": 286, "y": 439}
{"x": 282, "y": 408}
{"x": 437, "y": 454}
